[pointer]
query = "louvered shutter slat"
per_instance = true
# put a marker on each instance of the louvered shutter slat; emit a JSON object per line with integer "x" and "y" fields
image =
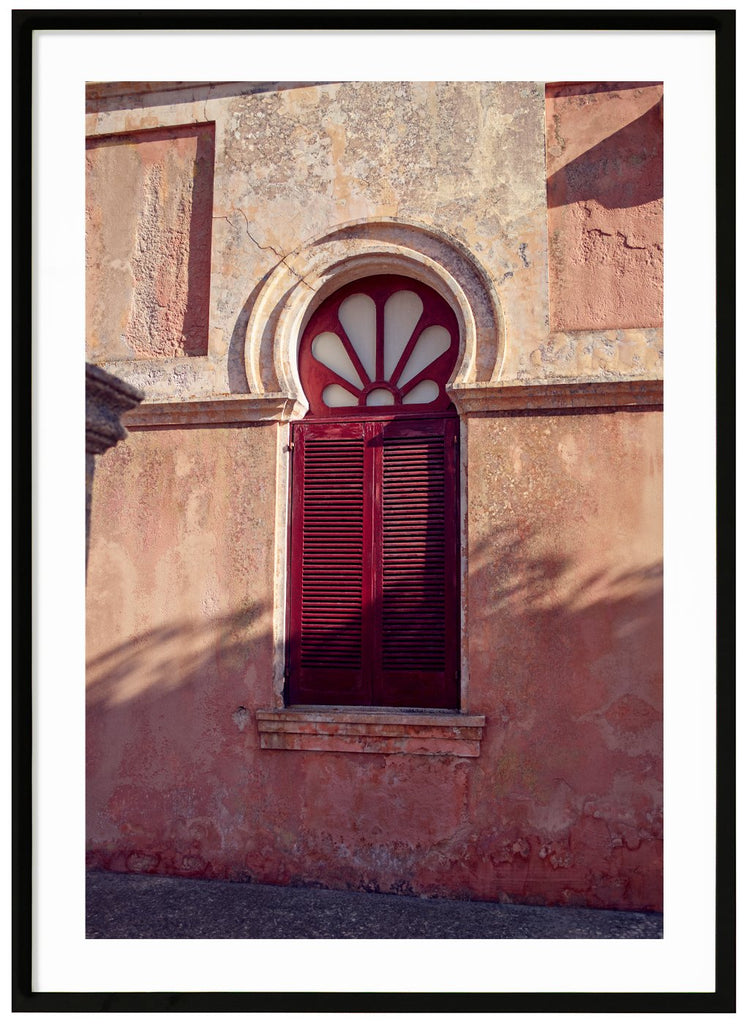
{"x": 331, "y": 610}
{"x": 413, "y": 554}
{"x": 418, "y": 570}
{"x": 328, "y": 561}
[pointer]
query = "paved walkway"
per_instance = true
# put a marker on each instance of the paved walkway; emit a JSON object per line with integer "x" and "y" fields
{"x": 122, "y": 906}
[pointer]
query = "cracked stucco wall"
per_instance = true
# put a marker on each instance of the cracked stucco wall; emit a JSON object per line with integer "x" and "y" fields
{"x": 605, "y": 207}
{"x": 556, "y": 190}
{"x": 294, "y": 162}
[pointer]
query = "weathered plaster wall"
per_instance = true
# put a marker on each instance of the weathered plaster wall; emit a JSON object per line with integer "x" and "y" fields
{"x": 564, "y": 614}
{"x": 179, "y": 598}
{"x": 458, "y": 156}
{"x": 294, "y": 163}
{"x": 148, "y": 230}
{"x": 564, "y": 559}
{"x": 564, "y": 590}
{"x": 605, "y": 208}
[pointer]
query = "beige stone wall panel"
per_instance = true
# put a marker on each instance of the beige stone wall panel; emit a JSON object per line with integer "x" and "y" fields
{"x": 462, "y": 159}
{"x": 297, "y": 163}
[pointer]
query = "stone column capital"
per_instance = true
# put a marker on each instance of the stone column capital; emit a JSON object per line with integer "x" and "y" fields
{"x": 107, "y": 397}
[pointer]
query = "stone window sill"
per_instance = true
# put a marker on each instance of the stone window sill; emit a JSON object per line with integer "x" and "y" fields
{"x": 371, "y": 731}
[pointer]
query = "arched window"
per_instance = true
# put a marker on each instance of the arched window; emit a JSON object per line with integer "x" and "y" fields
{"x": 373, "y": 597}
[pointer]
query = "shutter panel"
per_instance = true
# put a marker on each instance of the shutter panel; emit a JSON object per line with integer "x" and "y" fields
{"x": 418, "y": 560}
{"x": 374, "y": 564}
{"x": 330, "y": 562}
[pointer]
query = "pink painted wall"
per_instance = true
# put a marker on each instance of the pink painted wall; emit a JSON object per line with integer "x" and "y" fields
{"x": 179, "y": 592}
{"x": 149, "y": 207}
{"x": 605, "y": 206}
{"x": 563, "y": 804}
{"x": 565, "y": 650}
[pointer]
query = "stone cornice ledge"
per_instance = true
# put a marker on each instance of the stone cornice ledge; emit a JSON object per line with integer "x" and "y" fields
{"x": 469, "y": 399}
{"x": 371, "y": 731}
{"x": 577, "y": 393}
{"x": 220, "y": 411}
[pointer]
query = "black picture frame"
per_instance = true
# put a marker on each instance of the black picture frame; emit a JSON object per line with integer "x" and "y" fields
{"x": 24, "y": 998}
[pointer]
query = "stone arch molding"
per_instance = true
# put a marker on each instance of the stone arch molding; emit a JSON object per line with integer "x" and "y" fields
{"x": 303, "y": 279}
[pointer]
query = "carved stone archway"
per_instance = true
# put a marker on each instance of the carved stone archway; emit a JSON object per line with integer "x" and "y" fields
{"x": 302, "y": 280}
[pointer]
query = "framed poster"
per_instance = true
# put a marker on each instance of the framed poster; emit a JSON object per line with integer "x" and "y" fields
{"x": 55, "y": 54}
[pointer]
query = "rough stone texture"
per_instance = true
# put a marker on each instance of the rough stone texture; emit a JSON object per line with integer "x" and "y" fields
{"x": 148, "y": 210}
{"x": 605, "y": 207}
{"x": 371, "y": 731}
{"x": 107, "y": 398}
{"x": 294, "y": 163}
{"x": 461, "y": 157}
{"x": 603, "y": 355}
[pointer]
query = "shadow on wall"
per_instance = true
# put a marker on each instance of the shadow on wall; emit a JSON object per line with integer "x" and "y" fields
{"x": 591, "y": 88}
{"x": 623, "y": 170}
{"x": 237, "y": 380}
{"x": 537, "y": 599}
{"x": 596, "y": 634}
{"x": 571, "y": 766}
{"x": 168, "y": 779}
{"x": 161, "y": 218}
{"x": 181, "y": 656}
{"x": 195, "y": 328}
{"x": 532, "y": 584}
{"x": 564, "y": 802}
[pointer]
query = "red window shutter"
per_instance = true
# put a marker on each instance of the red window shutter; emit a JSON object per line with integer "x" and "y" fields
{"x": 374, "y": 564}
{"x": 419, "y": 565}
{"x": 329, "y": 565}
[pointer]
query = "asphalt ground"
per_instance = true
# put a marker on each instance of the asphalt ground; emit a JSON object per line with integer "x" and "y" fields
{"x": 129, "y": 906}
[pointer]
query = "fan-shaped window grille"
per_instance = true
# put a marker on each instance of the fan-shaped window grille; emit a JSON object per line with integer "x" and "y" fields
{"x": 384, "y": 344}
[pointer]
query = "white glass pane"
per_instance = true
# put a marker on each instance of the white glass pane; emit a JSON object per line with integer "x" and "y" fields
{"x": 380, "y": 396}
{"x": 358, "y": 317}
{"x": 431, "y": 344}
{"x": 335, "y": 396}
{"x": 425, "y": 391}
{"x": 330, "y": 351}
{"x": 401, "y": 313}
